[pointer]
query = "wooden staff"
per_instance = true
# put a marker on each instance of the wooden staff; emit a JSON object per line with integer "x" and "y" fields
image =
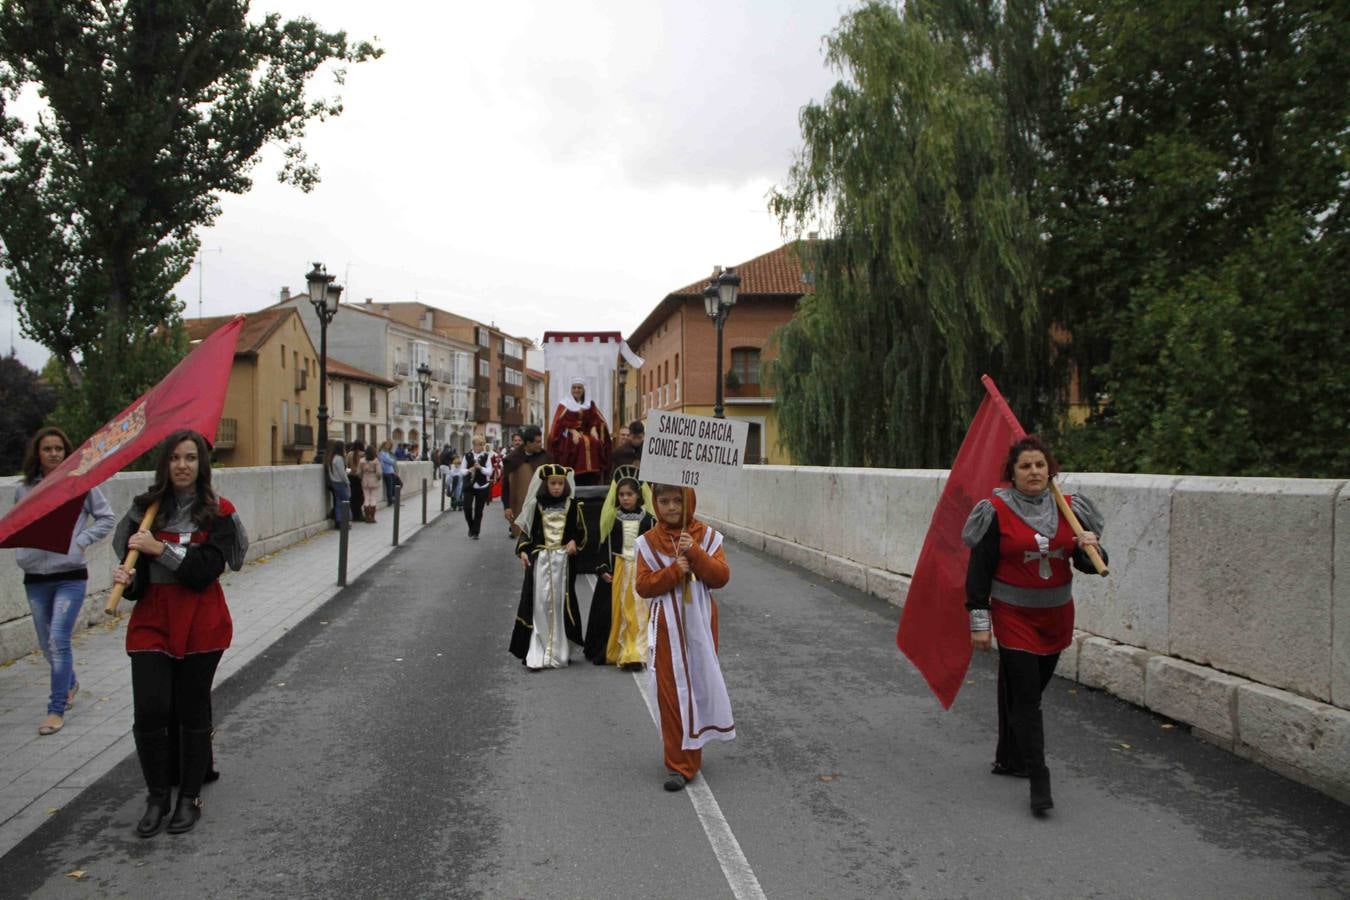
{"x": 130, "y": 562}
{"x": 1097, "y": 562}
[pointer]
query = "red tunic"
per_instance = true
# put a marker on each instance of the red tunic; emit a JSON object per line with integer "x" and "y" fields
{"x": 586, "y": 455}
{"x": 1023, "y": 564}
{"x": 174, "y": 619}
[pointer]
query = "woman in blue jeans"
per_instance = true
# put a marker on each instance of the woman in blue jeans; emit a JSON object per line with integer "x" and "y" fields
{"x": 55, "y": 582}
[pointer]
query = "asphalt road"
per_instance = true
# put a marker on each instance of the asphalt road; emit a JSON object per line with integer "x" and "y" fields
{"x": 390, "y": 747}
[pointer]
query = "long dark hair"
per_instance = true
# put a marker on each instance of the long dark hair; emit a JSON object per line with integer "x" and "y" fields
{"x": 32, "y": 463}
{"x": 206, "y": 506}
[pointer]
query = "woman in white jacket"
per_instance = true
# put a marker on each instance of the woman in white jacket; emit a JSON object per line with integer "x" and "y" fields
{"x": 55, "y": 582}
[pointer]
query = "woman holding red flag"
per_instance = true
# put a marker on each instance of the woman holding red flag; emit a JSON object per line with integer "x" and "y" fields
{"x": 1018, "y": 586}
{"x": 180, "y": 626}
{"x": 55, "y": 582}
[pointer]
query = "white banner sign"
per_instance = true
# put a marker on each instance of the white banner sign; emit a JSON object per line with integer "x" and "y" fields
{"x": 693, "y": 451}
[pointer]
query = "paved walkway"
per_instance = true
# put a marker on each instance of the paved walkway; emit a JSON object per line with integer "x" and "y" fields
{"x": 39, "y": 775}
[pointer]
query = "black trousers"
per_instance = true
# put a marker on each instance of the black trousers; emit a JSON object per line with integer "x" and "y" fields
{"x": 474, "y": 501}
{"x": 1022, "y": 678}
{"x": 171, "y": 699}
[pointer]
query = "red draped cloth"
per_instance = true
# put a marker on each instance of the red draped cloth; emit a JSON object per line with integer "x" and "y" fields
{"x": 589, "y": 452}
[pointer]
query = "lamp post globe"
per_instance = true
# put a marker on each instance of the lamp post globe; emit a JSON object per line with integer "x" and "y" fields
{"x": 424, "y": 380}
{"x": 718, "y": 299}
{"x": 324, "y": 296}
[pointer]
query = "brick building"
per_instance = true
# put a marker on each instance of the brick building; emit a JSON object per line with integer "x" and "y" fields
{"x": 678, "y": 344}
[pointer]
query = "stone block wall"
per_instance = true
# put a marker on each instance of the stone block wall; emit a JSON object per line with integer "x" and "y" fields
{"x": 278, "y": 505}
{"x": 1223, "y": 609}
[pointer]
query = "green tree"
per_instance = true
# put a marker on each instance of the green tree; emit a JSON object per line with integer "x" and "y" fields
{"x": 25, "y": 402}
{"x": 150, "y": 111}
{"x": 920, "y": 166}
{"x": 1196, "y": 211}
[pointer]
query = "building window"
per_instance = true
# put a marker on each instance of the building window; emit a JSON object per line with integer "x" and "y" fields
{"x": 346, "y": 397}
{"x": 373, "y": 407}
{"x": 677, "y": 367}
{"x": 484, "y": 369}
{"x": 361, "y": 432}
{"x": 512, "y": 349}
{"x": 745, "y": 363}
{"x": 484, "y": 339}
{"x": 295, "y": 358}
{"x": 283, "y": 356}
{"x": 512, "y": 376}
{"x": 665, "y": 372}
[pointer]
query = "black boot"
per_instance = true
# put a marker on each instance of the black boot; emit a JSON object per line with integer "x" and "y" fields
{"x": 152, "y": 749}
{"x": 1040, "y": 791}
{"x": 196, "y": 744}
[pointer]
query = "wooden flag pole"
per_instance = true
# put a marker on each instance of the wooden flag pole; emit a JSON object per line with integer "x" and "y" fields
{"x": 130, "y": 562}
{"x": 1097, "y": 562}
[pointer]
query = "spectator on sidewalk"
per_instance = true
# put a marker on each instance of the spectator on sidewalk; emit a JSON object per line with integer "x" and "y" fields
{"x": 356, "y": 452}
{"x": 338, "y": 483}
{"x": 369, "y": 473}
{"x": 55, "y": 582}
{"x": 180, "y": 625}
{"x": 388, "y": 469}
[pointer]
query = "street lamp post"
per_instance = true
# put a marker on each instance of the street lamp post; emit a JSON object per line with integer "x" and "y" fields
{"x": 718, "y": 299}
{"x": 324, "y": 297}
{"x": 435, "y": 407}
{"x": 424, "y": 379}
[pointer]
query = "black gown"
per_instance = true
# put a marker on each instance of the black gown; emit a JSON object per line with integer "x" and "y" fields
{"x": 532, "y": 543}
{"x": 600, "y": 619}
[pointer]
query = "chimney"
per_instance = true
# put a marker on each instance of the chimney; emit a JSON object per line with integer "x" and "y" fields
{"x": 285, "y": 293}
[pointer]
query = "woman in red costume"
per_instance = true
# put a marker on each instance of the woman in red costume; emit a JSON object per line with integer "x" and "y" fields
{"x": 1018, "y": 585}
{"x": 180, "y": 625}
{"x": 579, "y": 437}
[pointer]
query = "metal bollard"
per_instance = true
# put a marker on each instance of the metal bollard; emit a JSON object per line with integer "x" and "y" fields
{"x": 424, "y": 501}
{"x": 343, "y": 532}
{"x": 398, "y": 506}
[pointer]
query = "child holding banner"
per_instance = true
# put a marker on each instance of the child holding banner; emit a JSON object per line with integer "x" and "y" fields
{"x": 552, "y": 530}
{"x": 616, "y": 629}
{"x": 679, "y": 562}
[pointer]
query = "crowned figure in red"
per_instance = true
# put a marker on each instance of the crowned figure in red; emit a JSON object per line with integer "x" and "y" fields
{"x": 579, "y": 436}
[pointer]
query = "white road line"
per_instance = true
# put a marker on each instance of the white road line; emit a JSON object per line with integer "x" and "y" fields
{"x": 735, "y": 867}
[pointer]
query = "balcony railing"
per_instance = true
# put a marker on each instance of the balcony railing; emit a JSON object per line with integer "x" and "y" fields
{"x": 302, "y": 436}
{"x": 227, "y": 433}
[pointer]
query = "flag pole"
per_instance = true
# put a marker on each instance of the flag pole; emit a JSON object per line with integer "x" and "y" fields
{"x": 1097, "y": 562}
{"x": 130, "y": 562}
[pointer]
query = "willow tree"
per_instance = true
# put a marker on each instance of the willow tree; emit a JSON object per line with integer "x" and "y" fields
{"x": 915, "y": 167}
{"x": 147, "y": 112}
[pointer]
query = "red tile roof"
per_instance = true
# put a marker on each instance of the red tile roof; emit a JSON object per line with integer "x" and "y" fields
{"x": 338, "y": 368}
{"x": 258, "y": 327}
{"x": 777, "y": 273}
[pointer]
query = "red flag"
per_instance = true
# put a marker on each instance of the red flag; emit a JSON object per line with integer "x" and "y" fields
{"x": 934, "y": 627}
{"x": 191, "y": 396}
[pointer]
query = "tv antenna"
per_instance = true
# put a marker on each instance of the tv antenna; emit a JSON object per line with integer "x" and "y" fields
{"x": 201, "y": 268}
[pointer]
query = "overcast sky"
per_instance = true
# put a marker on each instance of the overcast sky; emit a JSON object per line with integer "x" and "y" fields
{"x": 540, "y": 165}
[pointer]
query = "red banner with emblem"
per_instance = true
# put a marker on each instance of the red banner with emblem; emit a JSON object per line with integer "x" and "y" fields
{"x": 934, "y": 626}
{"x": 191, "y": 396}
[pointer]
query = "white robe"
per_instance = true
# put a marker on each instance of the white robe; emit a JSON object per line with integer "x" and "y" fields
{"x": 705, "y": 708}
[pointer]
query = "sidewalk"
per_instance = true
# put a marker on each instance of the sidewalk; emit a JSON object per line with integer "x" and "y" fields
{"x": 39, "y": 775}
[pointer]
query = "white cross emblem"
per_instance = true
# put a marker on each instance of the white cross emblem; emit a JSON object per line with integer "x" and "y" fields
{"x": 1044, "y": 554}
